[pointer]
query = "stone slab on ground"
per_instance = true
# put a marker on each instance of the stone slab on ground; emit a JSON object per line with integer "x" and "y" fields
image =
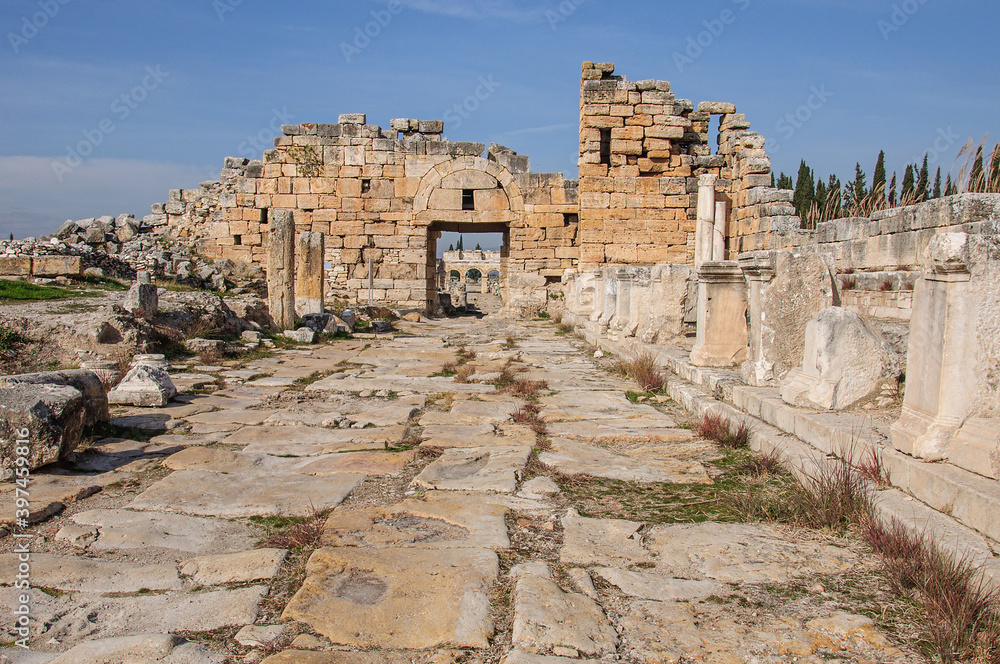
{"x": 547, "y": 617}
{"x": 572, "y": 457}
{"x": 369, "y": 463}
{"x": 521, "y": 657}
{"x": 658, "y": 586}
{"x": 386, "y": 416}
{"x": 125, "y": 530}
{"x": 437, "y": 520}
{"x": 606, "y": 542}
{"x": 203, "y": 493}
{"x": 398, "y": 598}
{"x": 51, "y": 493}
{"x": 617, "y": 431}
{"x": 744, "y": 553}
{"x": 86, "y": 575}
{"x": 140, "y": 649}
{"x": 468, "y": 435}
{"x": 241, "y": 416}
{"x": 74, "y": 617}
{"x": 241, "y": 567}
{"x": 659, "y": 632}
{"x": 576, "y": 405}
{"x": 314, "y": 441}
{"x": 307, "y": 657}
{"x": 475, "y": 469}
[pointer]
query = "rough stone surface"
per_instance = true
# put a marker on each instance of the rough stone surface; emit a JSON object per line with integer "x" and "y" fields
{"x": 476, "y": 469}
{"x": 153, "y": 648}
{"x": 47, "y": 418}
{"x": 846, "y": 359}
{"x": 398, "y": 598}
{"x": 242, "y": 567}
{"x": 576, "y": 458}
{"x": 144, "y": 385}
{"x": 547, "y": 617}
{"x": 87, "y": 382}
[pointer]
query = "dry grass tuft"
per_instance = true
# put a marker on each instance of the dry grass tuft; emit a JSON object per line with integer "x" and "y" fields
{"x": 463, "y": 374}
{"x": 528, "y": 415}
{"x": 873, "y": 469}
{"x": 962, "y": 615}
{"x": 714, "y": 426}
{"x": 641, "y": 368}
{"x": 465, "y": 355}
{"x": 302, "y": 534}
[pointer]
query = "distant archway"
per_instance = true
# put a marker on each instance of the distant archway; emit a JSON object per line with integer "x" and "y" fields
{"x": 474, "y": 275}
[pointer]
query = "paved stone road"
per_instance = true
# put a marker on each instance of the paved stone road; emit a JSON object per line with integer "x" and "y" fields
{"x": 448, "y": 539}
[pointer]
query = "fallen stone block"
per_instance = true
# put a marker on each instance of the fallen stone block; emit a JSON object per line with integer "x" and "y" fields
{"x": 144, "y": 385}
{"x": 87, "y": 382}
{"x": 58, "y": 266}
{"x": 846, "y": 359}
{"x": 318, "y": 323}
{"x": 303, "y": 335}
{"x": 38, "y": 423}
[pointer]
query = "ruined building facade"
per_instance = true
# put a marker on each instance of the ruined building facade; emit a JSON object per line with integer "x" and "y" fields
{"x": 382, "y": 197}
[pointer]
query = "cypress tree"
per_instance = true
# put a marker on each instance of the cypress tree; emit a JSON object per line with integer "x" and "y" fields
{"x": 857, "y": 191}
{"x": 994, "y": 181}
{"x": 461, "y": 243}
{"x": 923, "y": 182}
{"x": 891, "y": 192}
{"x": 478, "y": 248}
{"x": 833, "y": 193}
{"x": 948, "y": 186}
{"x": 821, "y": 195}
{"x": 909, "y": 183}
{"x": 451, "y": 247}
{"x": 937, "y": 184}
{"x": 785, "y": 182}
{"x": 805, "y": 190}
{"x": 976, "y": 176}
{"x": 878, "y": 178}
{"x": 772, "y": 179}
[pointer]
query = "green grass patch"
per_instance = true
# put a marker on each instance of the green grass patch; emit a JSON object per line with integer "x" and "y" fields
{"x": 9, "y": 338}
{"x": 20, "y": 291}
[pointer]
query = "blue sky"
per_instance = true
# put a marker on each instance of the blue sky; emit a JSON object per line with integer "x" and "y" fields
{"x": 157, "y": 93}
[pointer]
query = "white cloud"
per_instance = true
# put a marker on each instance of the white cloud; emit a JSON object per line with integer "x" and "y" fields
{"x": 479, "y": 9}
{"x": 35, "y": 201}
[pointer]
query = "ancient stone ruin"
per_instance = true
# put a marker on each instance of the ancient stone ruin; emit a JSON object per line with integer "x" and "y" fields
{"x": 412, "y": 492}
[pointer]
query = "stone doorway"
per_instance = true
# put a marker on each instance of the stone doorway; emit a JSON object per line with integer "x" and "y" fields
{"x": 439, "y": 271}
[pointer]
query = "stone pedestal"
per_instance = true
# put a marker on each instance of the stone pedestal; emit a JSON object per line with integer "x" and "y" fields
{"x": 610, "y": 302}
{"x": 722, "y": 309}
{"x": 309, "y": 274}
{"x": 142, "y": 298}
{"x": 705, "y": 230}
{"x": 664, "y": 315}
{"x": 952, "y": 353}
{"x": 786, "y": 290}
{"x": 281, "y": 269}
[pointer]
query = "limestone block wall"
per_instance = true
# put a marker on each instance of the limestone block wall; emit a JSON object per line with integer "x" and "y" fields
{"x": 641, "y": 152}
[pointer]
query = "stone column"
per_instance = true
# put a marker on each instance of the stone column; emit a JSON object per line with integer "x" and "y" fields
{"x": 704, "y": 233}
{"x": 617, "y": 327}
{"x": 722, "y": 310}
{"x": 610, "y": 301}
{"x": 758, "y": 267}
{"x": 943, "y": 374}
{"x": 309, "y": 274}
{"x": 598, "y": 309}
{"x": 719, "y": 232}
{"x": 281, "y": 269}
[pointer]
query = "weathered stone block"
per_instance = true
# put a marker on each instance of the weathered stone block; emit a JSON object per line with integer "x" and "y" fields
{"x": 15, "y": 266}
{"x": 88, "y": 383}
{"x": 58, "y": 266}
{"x": 144, "y": 385}
{"x": 45, "y": 421}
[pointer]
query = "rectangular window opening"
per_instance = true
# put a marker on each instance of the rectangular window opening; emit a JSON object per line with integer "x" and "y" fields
{"x": 606, "y": 147}
{"x": 569, "y": 219}
{"x": 366, "y": 186}
{"x": 468, "y": 199}
{"x": 237, "y": 240}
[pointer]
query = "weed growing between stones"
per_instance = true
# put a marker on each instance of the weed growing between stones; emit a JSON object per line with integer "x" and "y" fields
{"x": 720, "y": 429}
{"x": 294, "y": 533}
{"x": 961, "y": 614}
{"x": 872, "y": 469}
{"x": 528, "y": 415}
{"x": 463, "y": 374}
{"x": 448, "y": 369}
{"x": 641, "y": 368}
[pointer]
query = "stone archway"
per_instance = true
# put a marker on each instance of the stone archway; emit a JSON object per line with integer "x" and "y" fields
{"x": 467, "y": 195}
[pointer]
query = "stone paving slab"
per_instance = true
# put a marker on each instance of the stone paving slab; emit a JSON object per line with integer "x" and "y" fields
{"x": 250, "y": 463}
{"x": 307, "y": 657}
{"x": 605, "y": 542}
{"x": 78, "y": 574}
{"x": 73, "y": 617}
{"x": 658, "y": 586}
{"x": 619, "y": 431}
{"x": 141, "y": 649}
{"x": 521, "y": 657}
{"x": 577, "y": 405}
{"x": 475, "y": 469}
{"x": 478, "y": 435}
{"x": 573, "y": 457}
{"x": 398, "y": 597}
{"x": 398, "y": 384}
{"x": 241, "y": 567}
{"x": 546, "y": 617}
{"x": 203, "y": 493}
{"x": 386, "y": 416}
{"x": 51, "y": 493}
{"x": 369, "y": 463}
{"x": 243, "y": 417}
{"x": 437, "y": 520}
{"x": 314, "y": 441}
{"x": 125, "y": 530}
{"x": 744, "y": 553}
